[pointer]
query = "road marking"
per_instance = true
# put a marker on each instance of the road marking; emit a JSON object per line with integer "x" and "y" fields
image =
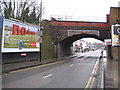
{"x": 88, "y": 83}
{"x": 47, "y": 76}
{"x": 71, "y": 65}
{"x": 91, "y": 79}
{"x": 92, "y": 82}
{"x": 32, "y": 67}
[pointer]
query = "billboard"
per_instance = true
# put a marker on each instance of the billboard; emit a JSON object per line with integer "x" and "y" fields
{"x": 116, "y": 35}
{"x": 19, "y": 37}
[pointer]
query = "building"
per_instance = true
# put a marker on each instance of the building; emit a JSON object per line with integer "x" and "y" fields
{"x": 114, "y": 18}
{"x": 79, "y": 45}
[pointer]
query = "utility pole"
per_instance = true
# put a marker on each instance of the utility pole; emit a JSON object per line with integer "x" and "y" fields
{"x": 40, "y": 19}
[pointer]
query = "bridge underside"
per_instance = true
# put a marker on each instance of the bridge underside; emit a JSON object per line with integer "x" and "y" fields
{"x": 65, "y": 45}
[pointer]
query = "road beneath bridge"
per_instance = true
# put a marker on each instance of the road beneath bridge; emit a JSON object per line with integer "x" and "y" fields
{"x": 71, "y": 73}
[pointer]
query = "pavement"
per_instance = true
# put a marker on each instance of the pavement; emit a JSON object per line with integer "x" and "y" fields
{"x": 112, "y": 72}
{"x": 20, "y": 65}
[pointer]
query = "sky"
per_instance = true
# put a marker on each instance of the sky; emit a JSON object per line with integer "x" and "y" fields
{"x": 91, "y": 9}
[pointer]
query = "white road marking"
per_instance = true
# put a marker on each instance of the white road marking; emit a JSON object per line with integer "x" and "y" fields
{"x": 71, "y": 65}
{"x": 47, "y": 76}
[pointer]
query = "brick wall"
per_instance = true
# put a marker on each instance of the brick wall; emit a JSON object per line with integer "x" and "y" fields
{"x": 114, "y": 15}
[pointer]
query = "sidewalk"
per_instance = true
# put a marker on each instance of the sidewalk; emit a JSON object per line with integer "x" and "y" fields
{"x": 14, "y": 66}
{"x": 26, "y": 64}
{"x": 111, "y": 73}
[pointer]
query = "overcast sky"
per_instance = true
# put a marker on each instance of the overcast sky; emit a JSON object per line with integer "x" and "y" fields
{"x": 75, "y": 8}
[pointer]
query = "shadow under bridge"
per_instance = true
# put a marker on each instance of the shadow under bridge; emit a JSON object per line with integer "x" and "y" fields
{"x": 64, "y": 46}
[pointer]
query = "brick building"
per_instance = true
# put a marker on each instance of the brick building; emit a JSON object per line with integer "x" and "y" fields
{"x": 114, "y": 18}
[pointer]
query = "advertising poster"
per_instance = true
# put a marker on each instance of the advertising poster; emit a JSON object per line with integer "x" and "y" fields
{"x": 19, "y": 37}
{"x": 116, "y": 35}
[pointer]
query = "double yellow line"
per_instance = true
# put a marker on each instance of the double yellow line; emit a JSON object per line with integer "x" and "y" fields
{"x": 91, "y": 79}
{"x": 33, "y": 67}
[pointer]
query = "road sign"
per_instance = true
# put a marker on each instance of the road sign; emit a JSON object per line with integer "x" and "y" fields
{"x": 108, "y": 42}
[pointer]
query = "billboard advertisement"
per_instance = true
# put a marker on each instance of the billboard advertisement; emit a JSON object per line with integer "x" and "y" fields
{"x": 116, "y": 35}
{"x": 19, "y": 37}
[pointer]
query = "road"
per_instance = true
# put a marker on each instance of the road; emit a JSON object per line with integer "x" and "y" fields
{"x": 71, "y": 73}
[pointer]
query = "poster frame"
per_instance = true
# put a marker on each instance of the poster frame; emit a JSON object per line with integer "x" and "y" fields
{"x": 11, "y": 50}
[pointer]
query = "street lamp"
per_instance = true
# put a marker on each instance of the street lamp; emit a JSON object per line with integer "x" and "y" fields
{"x": 40, "y": 17}
{"x": 40, "y": 43}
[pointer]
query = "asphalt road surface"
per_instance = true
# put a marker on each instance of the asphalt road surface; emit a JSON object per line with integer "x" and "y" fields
{"x": 71, "y": 73}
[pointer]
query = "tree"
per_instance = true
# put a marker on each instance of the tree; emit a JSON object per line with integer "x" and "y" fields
{"x": 8, "y": 12}
{"x": 23, "y": 10}
{"x": 33, "y": 17}
{"x": 24, "y": 15}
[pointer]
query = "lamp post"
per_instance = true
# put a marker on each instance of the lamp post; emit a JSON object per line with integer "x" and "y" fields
{"x": 40, "y": 17}
{"x": 40, "y": 43}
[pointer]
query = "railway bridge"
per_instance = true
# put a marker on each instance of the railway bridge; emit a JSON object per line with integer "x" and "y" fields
{"x": 66, "y": 32}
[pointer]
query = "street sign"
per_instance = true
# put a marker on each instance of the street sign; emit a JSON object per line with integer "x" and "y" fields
{"x": 107, "y": 41}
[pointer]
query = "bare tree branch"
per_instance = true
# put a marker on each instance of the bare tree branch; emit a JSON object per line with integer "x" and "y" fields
{"x": 5, "y": 3}
{"x": 22, "y": 9}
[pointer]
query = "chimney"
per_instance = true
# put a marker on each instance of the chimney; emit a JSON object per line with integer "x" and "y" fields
{"x": 108, "y": 18}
